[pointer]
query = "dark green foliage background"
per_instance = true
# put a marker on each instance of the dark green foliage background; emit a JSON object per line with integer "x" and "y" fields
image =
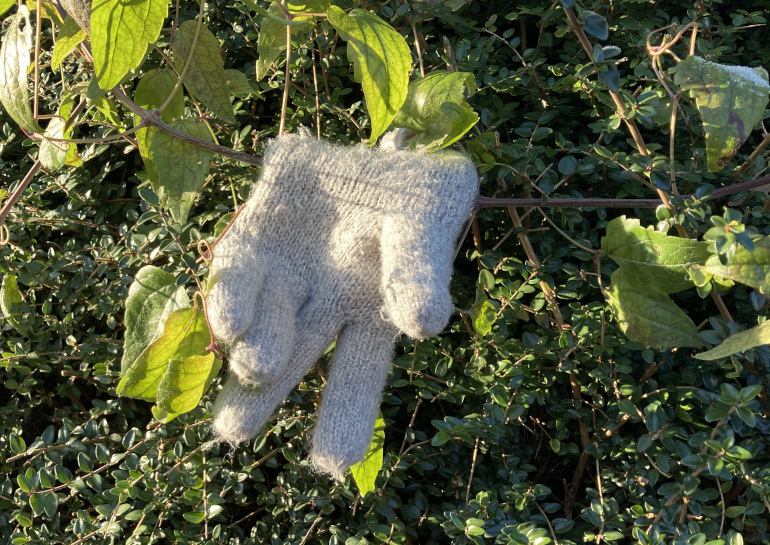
{"x": 483, "y": 440}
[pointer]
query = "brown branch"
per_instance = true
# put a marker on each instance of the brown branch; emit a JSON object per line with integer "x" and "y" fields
{"x": 567, "y": 202}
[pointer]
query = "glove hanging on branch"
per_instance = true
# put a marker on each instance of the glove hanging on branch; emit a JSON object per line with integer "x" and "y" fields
{"x": 347, "y": 242}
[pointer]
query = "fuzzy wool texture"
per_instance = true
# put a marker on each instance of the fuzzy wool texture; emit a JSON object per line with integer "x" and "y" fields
{"x": 348, "y": 242}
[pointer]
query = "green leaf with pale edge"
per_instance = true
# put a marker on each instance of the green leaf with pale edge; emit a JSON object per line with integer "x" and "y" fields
{"x": 161, "y": 415}
{"x": 152, "y": 297}
{"x": 121, "y": 30}
{"x": 10, "y": 297}
{"x": 426, "y": 95}
{"x": 151, "y": 93}
{"x": 381, "y": 61}
{"x": 447, "y": 128}
{"x": 5, "y": 5}
{"x": 185, "y": 381}
{"x": 484, "y": 316}
{"x": 54, "y": 154}
{"x": 185, "y": 334}
{"x": 182, "y": 168}
{"x": 731, "y": 101}
{"x": 238, "y": 83}
{"x": 365, "y": 472}
{"x": 739, "y": 342}
{"x": 750, "y": 267}
{"x": 435, "y": 108}
{"x": 14, "y": 64}
{"x": 649, "y": 258}
{"x": 205, "y": 77}
{"x": 649, "y": 316}
{"x": 69, "y": 37}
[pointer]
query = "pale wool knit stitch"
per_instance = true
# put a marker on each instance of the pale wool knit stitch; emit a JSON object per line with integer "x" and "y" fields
{"x": 347, "y": 242}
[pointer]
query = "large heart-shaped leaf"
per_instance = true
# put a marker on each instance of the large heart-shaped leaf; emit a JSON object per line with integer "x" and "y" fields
{"x": 653, "y": 258}
{"x": 121, "y": 30}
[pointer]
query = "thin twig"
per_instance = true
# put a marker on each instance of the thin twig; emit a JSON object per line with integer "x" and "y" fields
{"x": 287, "y": 79}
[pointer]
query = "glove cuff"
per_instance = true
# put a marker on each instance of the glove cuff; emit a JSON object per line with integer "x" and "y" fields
{"x": 388, "y": 180}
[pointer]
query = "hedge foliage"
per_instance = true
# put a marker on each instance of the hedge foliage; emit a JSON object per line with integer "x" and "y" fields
{"x": 550, "y": 427}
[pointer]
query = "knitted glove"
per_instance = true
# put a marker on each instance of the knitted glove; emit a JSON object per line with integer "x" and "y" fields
{"x": 347, "y": 242}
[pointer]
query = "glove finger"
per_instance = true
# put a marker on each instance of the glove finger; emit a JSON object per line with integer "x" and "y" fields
{"x": 241, "y": 411}
{"x": 352, "y": 395}
{"x": 416, "y": 267}
{"x": 235, "y": 281}
{"x": 261, "y": 355}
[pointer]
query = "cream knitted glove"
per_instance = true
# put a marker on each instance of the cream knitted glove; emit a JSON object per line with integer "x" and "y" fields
{"x": 352, "y": 242}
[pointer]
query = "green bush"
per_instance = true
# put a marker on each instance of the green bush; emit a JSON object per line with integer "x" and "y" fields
{"x": 563, "y": 404}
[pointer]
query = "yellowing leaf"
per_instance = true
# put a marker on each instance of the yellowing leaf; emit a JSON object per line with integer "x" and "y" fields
{"x": 152, "y": 297}
{"x": 14, "y": 64}
{"x": 185, "y": 381}
{"x": 365, "y": 472}
{"x": 182, "y": 168}
{"x": 205, "y": 77}
{"x": 649, "y": 316}
{"x": 739, "y": 342}
{"x": 121, "y": 30}
{"x": 651, "y": 258}
{"x": 151, "y": 93}
{"x": 69, "y": 37}
{"x": 10, "y": 299}
{"x": 750, "y": 267}
{"x": 381, "y": 60}
{"x": 185, "y": 334}
{"x": 731, "y": 101}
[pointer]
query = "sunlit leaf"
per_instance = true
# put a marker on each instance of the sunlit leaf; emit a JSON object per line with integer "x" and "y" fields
{"x": 48, "y": 10}
{"x": 381, "y": 60}
{"x": 182, "y": 168}
{"x": 69, "y": 37}
{"x": 151, "y": 93}
{"x": 185, "y": 334}
{"x": 365, "y": 472}
{"x": 185, "y": 381}
{"x": 435, "y": 108}
{"x": 649, "y": 316}
{"x": 205, "y": 77}
{"x": 484, "y": 315}
{"x": 272, "y": 30}
{"x": 10, "y": 299}
{"x": 5, "y": 5}
{"x": 272, "y": 38}
{"x": 14, "y": 64}
{"x": 152, "y": 297}
{"x": 121, "y": 31}
{"x": 731, "y": 101}
{"x": 652, "y": 258}
{"x": 54, "y": 154}
{"x": 750, "y": 267}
